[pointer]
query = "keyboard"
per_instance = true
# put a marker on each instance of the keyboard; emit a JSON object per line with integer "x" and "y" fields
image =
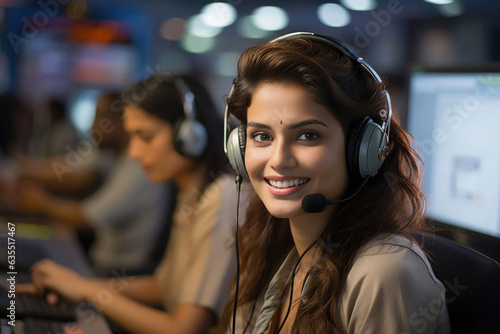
{"x": 34, "y": 306}
{"x": 39, "y": 326}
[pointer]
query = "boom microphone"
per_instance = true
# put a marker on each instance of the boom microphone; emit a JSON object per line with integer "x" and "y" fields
{"x": 315, "y": 203}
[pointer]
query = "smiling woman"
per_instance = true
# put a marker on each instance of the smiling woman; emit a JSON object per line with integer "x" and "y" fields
{"x": 317, "y": 120}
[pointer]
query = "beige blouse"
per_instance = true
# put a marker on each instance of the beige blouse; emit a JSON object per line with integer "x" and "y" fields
{"x": 390, "y": 289}
{"x": 199, "y": 264}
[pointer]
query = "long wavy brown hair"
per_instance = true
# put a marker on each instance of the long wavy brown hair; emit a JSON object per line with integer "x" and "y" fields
{"x": 391, "y": 201}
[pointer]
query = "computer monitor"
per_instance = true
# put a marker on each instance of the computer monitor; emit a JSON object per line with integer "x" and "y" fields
{"x": 454, "y": 116}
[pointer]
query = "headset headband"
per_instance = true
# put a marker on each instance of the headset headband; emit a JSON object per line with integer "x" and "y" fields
{"x": 227, "y": 126}
{"x": 349, "y": 52}
{"x": 386, "y": 115}
{"x": 346, "y": 49}
{"x": 187, "y": 97}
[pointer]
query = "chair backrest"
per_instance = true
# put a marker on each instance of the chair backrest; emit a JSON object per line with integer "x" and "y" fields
{"x": 472, "y": 282}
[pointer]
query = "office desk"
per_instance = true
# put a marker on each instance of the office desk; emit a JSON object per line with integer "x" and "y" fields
{"x": 39, "y": 238}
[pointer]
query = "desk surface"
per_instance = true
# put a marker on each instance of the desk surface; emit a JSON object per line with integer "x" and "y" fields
{"x": 38, "y": 238}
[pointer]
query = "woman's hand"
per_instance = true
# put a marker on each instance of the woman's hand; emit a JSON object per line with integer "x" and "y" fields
{"x": 29, "y": 288}
{"x": 49, "y": 277}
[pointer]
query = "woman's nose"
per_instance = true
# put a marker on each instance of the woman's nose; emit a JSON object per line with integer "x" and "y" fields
{"x": 134, "y": 150}
{"x": 282, "y": 155}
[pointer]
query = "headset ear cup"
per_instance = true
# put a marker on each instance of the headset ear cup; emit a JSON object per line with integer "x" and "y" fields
{"x": 236, "y": 145}
{"x": 190, "y": 138}
{"x": 352, "y": 148}
{"x": 370, "y": 160}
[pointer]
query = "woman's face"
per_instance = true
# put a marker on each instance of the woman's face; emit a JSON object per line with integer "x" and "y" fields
{"x": 151, "y": 143}
{"x": 295, "y": 147}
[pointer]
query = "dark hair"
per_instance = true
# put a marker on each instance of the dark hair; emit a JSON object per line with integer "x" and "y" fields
{"x": 351, "y": 94}
{"x": 159, "y": 96}
{"x": 107, "y": 102}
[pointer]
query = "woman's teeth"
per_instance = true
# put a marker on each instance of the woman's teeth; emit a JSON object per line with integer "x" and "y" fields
{"x": 286, "y": 184}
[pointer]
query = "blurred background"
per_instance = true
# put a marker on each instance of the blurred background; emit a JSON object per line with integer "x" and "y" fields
{"x": 63, "y": 48}
{"x": 69, "y": 50}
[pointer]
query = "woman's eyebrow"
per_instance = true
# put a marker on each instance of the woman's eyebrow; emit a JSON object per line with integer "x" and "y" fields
{"x": 292, "y": 126}
{"x": 307, "y": 122}
{"x": 258, "y": 125}
{"x": 138, "y": 131}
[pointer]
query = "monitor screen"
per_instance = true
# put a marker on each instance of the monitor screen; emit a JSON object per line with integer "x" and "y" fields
{"x": 455, "y": 120}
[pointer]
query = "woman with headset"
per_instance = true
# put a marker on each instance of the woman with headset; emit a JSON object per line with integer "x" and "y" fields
{"x": 175, "y": 134}
{"x": 327, "y": 245}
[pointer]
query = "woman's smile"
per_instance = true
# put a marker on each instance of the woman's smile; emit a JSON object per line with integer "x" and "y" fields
{"x": 282, "y": 186}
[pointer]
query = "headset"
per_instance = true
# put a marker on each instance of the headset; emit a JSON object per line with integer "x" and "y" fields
{"x": 190, "y": 136}
{"x": 368, "y": 141}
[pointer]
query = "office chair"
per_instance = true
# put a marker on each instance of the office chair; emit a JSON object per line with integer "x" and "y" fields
{"x": 472, "y": 282}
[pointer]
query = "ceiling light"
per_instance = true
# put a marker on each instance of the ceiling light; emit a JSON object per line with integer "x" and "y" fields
{"x": 197, "y": 44}
{"x": 219, "y": 14}
{"x": 364, "y": 5}
{"x": 247, "y": 29}
{"x": 440, "y": 2}
{"x": 270, "y": 18}
{"x": 173, "y": 29}
{"x": 197, "y": 26}
{"x": 333, "y": 15}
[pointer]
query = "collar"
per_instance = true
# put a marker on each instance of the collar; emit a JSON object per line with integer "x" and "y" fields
{"x": 275, "y": 291}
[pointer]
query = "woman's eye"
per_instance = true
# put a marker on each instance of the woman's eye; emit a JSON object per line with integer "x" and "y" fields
{"x": 308, "y": 136}
{"x": 146, "y": 139}
{"x": 261, "y": 137}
